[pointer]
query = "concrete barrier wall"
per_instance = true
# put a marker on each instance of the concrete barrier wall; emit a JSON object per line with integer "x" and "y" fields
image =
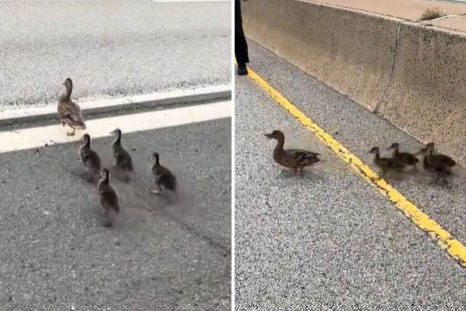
{"x": 427, "y": 96}
{"x": 390, "y": 67}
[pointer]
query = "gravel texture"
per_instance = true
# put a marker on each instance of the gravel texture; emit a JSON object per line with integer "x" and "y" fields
{"x": 110, "y": 48}
{"x": 56, "y": 255}
{"x": 330, "y": 241}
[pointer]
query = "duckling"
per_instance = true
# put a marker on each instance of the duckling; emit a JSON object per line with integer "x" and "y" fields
{"x": 438, "y": 159}
{"x": 123, "y": 159}
{"x": 385, "y": 164}
{"x": 403, "y": 158}
{"x": 108, "y": 198}
{"x": 163, "y": 176}
{"x": 292, "y": 158}
{"x": 438, "y": 163}
{"x": 68, "y": 111}
{"x": 90, "y": 158}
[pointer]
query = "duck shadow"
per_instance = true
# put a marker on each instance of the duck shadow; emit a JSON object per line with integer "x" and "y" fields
{"x": 422, "y": 177}
{"x": 308, "y": 175}
{"x": 84, "y": 176}
{"x": 138, "y": 194}
{"x": 121, "y": 174}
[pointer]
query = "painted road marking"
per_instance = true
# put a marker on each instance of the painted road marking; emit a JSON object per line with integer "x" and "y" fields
{"x": 56, "y": 134}
{"x": 121, "y": 101}
{"x": 443, "y": 238}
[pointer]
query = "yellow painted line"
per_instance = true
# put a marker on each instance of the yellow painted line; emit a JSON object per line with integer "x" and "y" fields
{"x": 443, "y": 238}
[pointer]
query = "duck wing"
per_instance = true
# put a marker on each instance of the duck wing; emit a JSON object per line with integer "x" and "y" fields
{"x": 442, "y": 160}
{"x": 165, "y": 177}
{"x": 123, "y": 159}
{"x": 160, "y": 171}
{"x": 74, "y": 120}
{"x": 303, "y": 156}
{"x": 435, "y": 167}
{"x": 70, "y": 112}
{"x": 108, "y": 198}
{"x": 91, "y": 159}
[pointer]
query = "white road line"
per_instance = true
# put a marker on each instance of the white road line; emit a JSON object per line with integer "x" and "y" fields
{"x": 122, "y": 101}
{"x": 56, "y": 134}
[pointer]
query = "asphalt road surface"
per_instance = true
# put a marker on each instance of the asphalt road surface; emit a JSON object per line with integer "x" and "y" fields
{"x": 330, "y": 240}
{"x": 161, "y": 255}
{"x": 110, "y": 48}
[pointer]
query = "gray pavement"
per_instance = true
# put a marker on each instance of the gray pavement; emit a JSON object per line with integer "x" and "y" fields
{"x": 55, "y": 254}
{"x": 110, "y": 48}
{"x": 330, "y": 241}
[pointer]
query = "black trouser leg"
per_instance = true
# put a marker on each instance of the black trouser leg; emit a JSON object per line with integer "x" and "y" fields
{"x": 241, "y": 46}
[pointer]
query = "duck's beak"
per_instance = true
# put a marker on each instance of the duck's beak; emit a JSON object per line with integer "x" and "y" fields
{"x": 269, "y": 136}
{"x": 112, "y": 132}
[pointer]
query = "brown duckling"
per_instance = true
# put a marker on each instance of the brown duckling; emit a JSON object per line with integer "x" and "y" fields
{"x": 403, "y": 158}
{"x": 385, "y": 164}
{"x": 440, "y": 172}
{"x": 123, "y": 160}
{"x": 437, "y": 159}
{"x": 163, "y": 176}
{"x": 292, "y": 158}
{"x": 108, "y": 198}
{"x": 68, "y": 111}
{"x": 437, "y": 163}
{"x": 90, "y": 158}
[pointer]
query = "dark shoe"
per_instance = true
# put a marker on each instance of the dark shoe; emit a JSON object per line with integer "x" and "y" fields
{"x": 242, "y": 70}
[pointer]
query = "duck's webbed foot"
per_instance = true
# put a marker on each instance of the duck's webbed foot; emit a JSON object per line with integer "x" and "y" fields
{"x": 71, "y": 133}
{"x": 158, "y": 190}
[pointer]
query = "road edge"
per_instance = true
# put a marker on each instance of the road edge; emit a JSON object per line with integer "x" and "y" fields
{"x": 122, "y": 104}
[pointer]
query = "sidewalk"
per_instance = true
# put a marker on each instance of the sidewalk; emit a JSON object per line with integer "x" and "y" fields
{"x": 409, "y": 10}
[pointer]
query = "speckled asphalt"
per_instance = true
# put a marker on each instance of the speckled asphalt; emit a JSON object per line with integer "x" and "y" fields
{"x": 110, "y": 48}
{"x": 330, "y": 241}
{"x": 55, "y": 254}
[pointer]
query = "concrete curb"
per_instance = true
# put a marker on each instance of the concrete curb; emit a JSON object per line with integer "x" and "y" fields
{"x": 411, "y": 74}
{"x": 124, "y": 104}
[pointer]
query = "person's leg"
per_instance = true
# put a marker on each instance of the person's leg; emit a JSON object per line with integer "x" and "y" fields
{"x": 241, "y": 46}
